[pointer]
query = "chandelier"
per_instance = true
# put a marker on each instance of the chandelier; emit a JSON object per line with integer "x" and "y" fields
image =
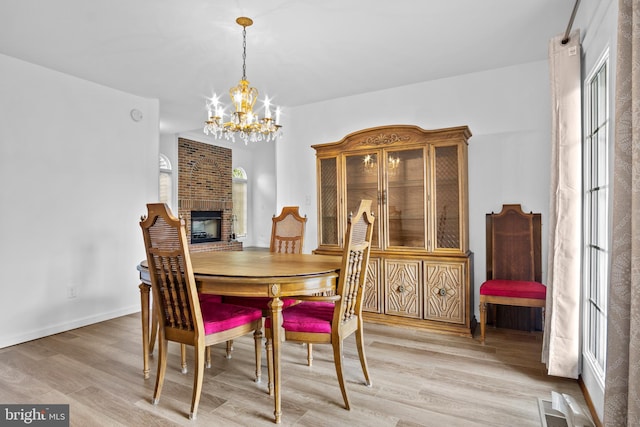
{"x": 243, "y": 122}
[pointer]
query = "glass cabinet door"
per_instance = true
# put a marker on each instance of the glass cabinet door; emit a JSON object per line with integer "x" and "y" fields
{"x": 328, "y": 221}
{"x": 362, "y": 180}
{"x": 447, "y": 198}
{"x": 404, "y": 198}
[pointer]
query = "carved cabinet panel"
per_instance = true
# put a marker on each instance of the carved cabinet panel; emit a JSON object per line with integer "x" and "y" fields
{"x": 403, "y": 287}
{"x": 372, "y": 295}
{"x": 445, "y": 299}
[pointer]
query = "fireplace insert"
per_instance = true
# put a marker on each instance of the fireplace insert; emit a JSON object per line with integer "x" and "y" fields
{"x": 206, "y": 226}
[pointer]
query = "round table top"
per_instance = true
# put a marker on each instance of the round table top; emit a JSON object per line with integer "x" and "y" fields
{"x": 256, "y": 264}
{"x": 259, "y": 264}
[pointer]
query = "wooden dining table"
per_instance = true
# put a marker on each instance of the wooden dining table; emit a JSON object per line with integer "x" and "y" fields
{"x": 253, "y": 274}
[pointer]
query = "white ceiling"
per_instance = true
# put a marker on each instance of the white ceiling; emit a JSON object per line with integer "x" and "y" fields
{"x": 298, "y": 51}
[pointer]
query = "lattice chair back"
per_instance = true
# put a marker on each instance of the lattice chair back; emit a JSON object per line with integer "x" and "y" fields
{"x": 287, "y": 231}
{"x": 512, "y": 245}
{"x": 172, "y": 280}
{"x": 355, "y": 259}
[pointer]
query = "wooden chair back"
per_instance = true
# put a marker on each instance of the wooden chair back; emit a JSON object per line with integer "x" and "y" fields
{"x": 172, "y": 281}
{"x": 353, "y": 273}
{"x": 514, "y": 245}
{"x": 287, "y": 231}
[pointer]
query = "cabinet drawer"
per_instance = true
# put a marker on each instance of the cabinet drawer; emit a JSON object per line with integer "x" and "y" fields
{"x": 403, "y": 287}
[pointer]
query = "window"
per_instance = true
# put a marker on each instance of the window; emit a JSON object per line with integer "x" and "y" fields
{"x": 240, "y": 197}
{"x": 165, "y": 185}
{"x": 595, "y": 257}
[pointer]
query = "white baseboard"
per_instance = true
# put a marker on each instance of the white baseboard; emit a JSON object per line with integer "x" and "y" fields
{"x": 67, "y": 326}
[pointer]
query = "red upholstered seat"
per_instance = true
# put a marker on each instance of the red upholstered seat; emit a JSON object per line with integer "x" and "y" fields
{"x": 219, "y": 317}
{"x": 514, "y": 289}
{"x": 308, "y": 316}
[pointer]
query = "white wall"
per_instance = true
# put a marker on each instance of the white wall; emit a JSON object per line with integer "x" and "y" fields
{"x": 75, "y": 172}
{"x": 507, "y": 110}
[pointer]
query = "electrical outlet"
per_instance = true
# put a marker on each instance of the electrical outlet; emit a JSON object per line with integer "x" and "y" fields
{"x": 72, "y": 292}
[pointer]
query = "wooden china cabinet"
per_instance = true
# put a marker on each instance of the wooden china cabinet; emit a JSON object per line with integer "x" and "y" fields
{"x": 421, "y": 269}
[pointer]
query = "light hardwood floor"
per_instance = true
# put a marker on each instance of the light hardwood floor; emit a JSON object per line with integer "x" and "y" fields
{"x": 419, "y": 379}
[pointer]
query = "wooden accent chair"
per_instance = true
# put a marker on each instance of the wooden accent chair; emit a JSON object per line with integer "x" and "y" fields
{"x": 287, "y": 236}
{"x": 514, "y": 260}
{"x": 181, "y": 316}
{"x": 331, "y": 319}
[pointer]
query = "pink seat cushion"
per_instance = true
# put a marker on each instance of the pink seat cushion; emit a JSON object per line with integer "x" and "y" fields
{"x": 307, "y": 316}
{"x": 513, "y": 289}
{"x": 219, "y": 317}
{"x": 209, "y": 297}
{"x": 261, "y": 303}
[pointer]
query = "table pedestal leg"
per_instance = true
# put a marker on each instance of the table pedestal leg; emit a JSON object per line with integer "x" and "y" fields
{"x": 278, "y": 337}
{"x": 144, "y": 311}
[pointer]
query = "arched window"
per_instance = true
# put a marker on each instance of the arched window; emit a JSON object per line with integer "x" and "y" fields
{"x": 165, "y": 184}
{"x": 240, "y": 200}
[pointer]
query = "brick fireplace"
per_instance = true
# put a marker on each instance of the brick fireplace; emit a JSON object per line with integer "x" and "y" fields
{"x": 204, "y": 185}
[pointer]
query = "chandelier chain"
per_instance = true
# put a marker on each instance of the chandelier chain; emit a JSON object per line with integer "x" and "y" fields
{"x": 244, "y": 53}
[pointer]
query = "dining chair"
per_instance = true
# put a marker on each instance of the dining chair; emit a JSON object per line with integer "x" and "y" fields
{"x": 287, "y": 236}
{"x": 331, "y": 319}
{"x": 182, "y": 318}
{"x": 514, "y": 263}
{"x": 287, "y": 231}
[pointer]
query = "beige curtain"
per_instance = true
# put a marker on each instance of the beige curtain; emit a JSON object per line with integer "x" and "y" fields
{"x": 561, "y": 348}
{"x": 622, "y": 383}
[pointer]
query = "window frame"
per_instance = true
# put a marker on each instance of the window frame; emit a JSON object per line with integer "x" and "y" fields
{"x": 596, "y": 218}
{"x": 239, "y": 218}
{"x": 165, "y": 173}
